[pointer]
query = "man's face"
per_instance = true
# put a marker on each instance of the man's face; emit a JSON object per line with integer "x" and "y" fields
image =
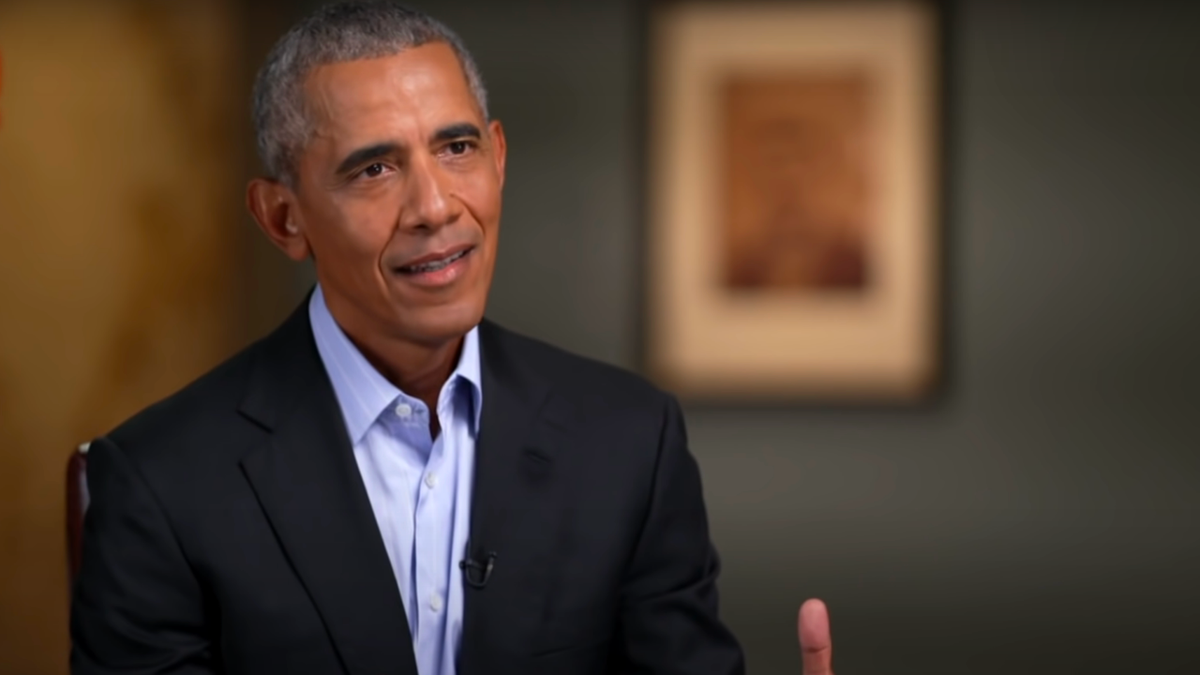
{"x": 398, "y": 195}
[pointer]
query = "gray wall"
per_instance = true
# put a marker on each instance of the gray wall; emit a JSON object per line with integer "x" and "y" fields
{"x": 1043, "y": 516}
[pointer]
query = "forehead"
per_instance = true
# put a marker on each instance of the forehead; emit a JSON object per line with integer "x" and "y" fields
{"x": 391, "y": 95}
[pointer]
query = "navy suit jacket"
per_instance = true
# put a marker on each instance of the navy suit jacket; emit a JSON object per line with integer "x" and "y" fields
{"x": 229, "y": 530}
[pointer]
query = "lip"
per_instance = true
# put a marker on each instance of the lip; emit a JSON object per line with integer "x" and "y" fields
{"x": 436, "y": 255}
{"x": 441, "y": 278}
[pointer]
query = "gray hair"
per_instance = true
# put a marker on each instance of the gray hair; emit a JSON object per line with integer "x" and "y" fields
{"x": 336, "y": 33}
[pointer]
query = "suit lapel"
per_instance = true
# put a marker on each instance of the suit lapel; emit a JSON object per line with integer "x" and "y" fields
{"x": 310, "y": 488}
{"x": 512, "y": 507}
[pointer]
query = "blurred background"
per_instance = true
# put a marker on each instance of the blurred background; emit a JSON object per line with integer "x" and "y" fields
{"x": 1041, "y": 515}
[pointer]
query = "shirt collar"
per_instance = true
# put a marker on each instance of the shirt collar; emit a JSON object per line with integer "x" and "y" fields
{"x": 362, "y": 392}
{"x": 468, "y": 370}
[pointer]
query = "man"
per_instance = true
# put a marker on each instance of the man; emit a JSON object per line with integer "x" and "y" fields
{"x": 389, "y": 483}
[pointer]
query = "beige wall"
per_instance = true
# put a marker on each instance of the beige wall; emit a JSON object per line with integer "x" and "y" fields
{"x": 118, "y": 240}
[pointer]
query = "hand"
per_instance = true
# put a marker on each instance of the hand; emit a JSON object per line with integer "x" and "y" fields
{"x": 815, "y": 646}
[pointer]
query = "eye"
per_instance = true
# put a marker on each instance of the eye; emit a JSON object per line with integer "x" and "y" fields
{"x": 459, "y": 147}
{"x": 374, "y": 170}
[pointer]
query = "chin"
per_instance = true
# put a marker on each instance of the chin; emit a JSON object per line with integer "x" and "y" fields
{"x": 438, "y": 325}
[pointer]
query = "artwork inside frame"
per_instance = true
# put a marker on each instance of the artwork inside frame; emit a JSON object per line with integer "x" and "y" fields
{"x": 793, "y": 200}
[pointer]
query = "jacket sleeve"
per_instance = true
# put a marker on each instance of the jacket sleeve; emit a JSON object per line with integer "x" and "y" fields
{"x": 669, "y": 622}
{"x": 137, "y": 607}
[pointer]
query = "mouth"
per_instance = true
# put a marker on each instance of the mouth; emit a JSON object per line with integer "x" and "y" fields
{"x": 435, "y": 264}
{"x": 438, "y": 269}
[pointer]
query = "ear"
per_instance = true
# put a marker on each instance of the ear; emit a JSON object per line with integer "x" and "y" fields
{"x": 499, "y": 148}
{"x": 273, "y": 206}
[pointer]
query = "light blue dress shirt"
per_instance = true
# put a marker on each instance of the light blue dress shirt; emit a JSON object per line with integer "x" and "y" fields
{"x": 419, "y": 487}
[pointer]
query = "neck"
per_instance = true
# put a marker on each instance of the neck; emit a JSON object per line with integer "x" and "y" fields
{"x": 419, "y": 369}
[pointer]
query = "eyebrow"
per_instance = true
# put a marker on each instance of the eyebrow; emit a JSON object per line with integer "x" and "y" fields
{"x": 459, "y": 130}
{"x": 363, "y": 155}
{"x": 375, "y": 151}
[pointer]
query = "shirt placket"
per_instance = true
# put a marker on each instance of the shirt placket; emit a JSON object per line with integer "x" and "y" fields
{"x": 430, "y": 549}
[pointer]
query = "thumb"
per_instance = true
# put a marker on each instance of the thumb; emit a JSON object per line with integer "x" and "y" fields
{"x": 816, "y": 649}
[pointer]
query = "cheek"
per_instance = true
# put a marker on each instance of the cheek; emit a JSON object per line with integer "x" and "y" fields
{"x": 481, "y": 193}
{"x": 355, "y": 229}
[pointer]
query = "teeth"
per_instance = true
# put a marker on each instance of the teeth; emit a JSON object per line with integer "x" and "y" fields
{"x": 435, "y": 265}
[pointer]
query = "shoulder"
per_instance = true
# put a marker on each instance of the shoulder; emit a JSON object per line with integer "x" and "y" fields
{"x": 205, "y": 421}
{"x": 199, "y": 417}
{"x": 593, "y": 387}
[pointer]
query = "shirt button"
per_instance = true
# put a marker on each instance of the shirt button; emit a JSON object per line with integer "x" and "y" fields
{"x": 404, "y": 410}
{"x": 435, "y": 603}
{"x": 431, "y": 480}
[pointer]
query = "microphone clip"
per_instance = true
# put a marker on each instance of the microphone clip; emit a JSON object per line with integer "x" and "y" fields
{"x": 477, "y": 573}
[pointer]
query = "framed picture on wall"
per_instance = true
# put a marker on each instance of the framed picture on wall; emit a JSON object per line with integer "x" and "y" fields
{"x": 792, "y": 200}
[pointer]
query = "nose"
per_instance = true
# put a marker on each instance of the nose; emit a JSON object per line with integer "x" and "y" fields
{"x": 429, "y": 203}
